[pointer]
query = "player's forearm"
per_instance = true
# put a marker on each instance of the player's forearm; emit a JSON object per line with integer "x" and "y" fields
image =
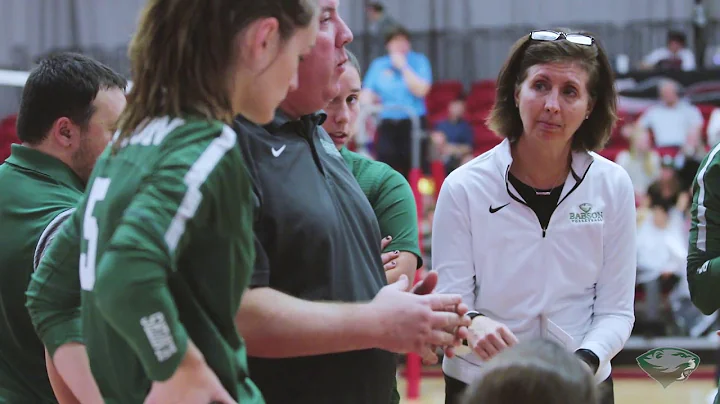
{"x": 132, "y": 294}
{"x": 73, "y": 367}
{"x": 62, "y": 392}
{"x": 406, "y": 265}
{"x": 276, "y": 325}
{"x": 704, "y": 281}
{"x": 608, "y": 334}
{"x": 54, "y": 310}
{"x": 416, "y": 85}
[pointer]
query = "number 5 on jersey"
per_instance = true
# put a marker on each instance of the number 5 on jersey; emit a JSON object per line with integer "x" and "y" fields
{"x": 90, "y": 233}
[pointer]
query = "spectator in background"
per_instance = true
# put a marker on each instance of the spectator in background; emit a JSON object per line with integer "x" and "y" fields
{"x": 641, "y": 162}
{"x": 668, "y": 186}
{"x": 380, "y": 24}
{"x": 401, "y": 79}
{"x": 674, "y": 56}
{"x": 454, "y": 135}
{"x": 674, "y": 122}
{"x": 661, "y": 252}
{"x": 713, "y": 128}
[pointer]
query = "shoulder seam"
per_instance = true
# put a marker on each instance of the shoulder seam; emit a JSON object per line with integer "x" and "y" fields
{"x": 48, "y": 235}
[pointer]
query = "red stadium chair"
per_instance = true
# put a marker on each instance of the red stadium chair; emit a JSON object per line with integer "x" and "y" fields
{"x": 8, "y": 136}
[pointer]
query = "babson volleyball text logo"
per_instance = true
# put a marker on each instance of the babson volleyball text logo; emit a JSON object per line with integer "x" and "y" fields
{"x": 668, "y": 365}
{"x": 586, "y": 214}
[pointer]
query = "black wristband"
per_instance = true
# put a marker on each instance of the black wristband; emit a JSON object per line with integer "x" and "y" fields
{"x": 590, "y": 358}
{"x": 472, "y": 314}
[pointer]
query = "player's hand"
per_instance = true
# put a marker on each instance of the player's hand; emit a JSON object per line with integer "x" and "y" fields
{"x": 488, "y": 337}
{"x": 388, "y": 258}
{"x": 429, "y": 355}
{"x": 426, "y": 285}
{"x": 409, "y": 323}
{"x": 193, "y": 382}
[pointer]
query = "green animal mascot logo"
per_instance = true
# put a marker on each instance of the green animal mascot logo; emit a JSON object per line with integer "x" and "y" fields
{"x": 668, "y": 365}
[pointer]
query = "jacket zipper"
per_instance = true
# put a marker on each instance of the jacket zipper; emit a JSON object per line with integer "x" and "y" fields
{"x": 578, "y": 181}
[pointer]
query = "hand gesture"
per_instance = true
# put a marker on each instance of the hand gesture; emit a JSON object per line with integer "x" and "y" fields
{"x": 410, "y": 323}
{"x": 388, "y": 258}
{"x": 398, "y": 60}
{"x": 428, "y": 354}
{"x": 193, "y": 382}
{"x": 488, "y": 337}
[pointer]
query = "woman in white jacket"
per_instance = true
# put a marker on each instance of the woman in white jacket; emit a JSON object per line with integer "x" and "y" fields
{"x": 538, "y": 234}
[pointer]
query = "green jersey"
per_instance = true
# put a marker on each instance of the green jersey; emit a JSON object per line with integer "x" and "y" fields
{"x": 391, "y": 198}
{"x": 38, "y": 193}
{"x": 164, "y": 245}
{"x": 703, "y": 263}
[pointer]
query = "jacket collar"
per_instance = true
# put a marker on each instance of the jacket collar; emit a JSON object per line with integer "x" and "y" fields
{"x": 281, "y": 119}
{"x": 44, "y": 164}
{"x": 579, "y": 165}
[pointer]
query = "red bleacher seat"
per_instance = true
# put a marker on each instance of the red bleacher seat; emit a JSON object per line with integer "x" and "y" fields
{"x": 8, "y": 136}
{"x": 482, "y": 84}
{"x": 480, "y": 99}
{"x": 706, "y": 110}
{"x": 611, "y": 153}
{"x": 439, "y": 97}
{"x": 452, "y": 86}
{"x": 484, "y": 138}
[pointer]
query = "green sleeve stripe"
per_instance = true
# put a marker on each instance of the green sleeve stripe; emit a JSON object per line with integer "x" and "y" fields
{"x": 194, "y": 179}
{"x": 701, "y": 242}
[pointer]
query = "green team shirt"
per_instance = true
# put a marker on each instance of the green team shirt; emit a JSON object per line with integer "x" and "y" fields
{"x": 37, "y": 193}
{"x": 164, "y": 245}
{"x": 391, "y": 198}
{"x": 703, "y": 263}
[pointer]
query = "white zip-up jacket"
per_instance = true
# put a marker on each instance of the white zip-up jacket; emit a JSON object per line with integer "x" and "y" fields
{"x": 573, "y": 282}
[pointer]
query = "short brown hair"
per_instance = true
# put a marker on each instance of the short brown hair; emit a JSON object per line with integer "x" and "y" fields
{"x": 396, "y": 31}
{"x": 182, "y": 50}
{"x": 504, "y": 119}
{"x": 536, "y": 371}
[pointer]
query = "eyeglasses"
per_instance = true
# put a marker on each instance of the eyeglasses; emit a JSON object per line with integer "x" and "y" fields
{"x": 554, "y": 36}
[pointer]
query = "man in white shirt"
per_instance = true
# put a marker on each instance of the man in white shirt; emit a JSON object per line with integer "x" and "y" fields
{"x": 674, "y": 56}
{"x": 674, "y": 122}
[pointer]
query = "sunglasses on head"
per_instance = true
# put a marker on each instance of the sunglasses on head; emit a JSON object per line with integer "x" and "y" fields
{"x": 578, "y": 39}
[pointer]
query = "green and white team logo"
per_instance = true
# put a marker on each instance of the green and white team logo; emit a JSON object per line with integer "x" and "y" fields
{"x": 668, "y": 365}
{"x": 586, "y": 214}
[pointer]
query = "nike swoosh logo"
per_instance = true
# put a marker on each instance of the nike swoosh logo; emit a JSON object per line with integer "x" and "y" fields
{"x": 493, "y": 210}
{"x": 278, "y": 152}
